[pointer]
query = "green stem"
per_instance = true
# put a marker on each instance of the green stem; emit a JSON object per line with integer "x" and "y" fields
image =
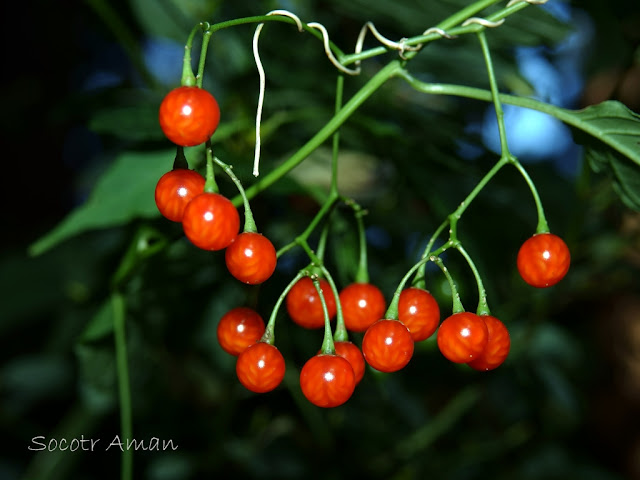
{"x": 419, "y": 279}
{"x": 392, "y": 310}
{"x": 543, "y": 226}
{"x": 562, "y": 114}
{"x": 340, "y": 334}
{"x": 322, "y": 241}
{"x": 336, "y": 138}
{"x": 269, "y": 333}
{"x": 362, "y": 275}
{"x": 457, "y": 303}
{"x": 448, "y": 25}
{"x": 328, "y": 347}
{"x": 249, "y": 222}
{"x": 126, "y": 428}
{"x": 203, "y": 52}
{"x": 188, "y": 78}
{"x": 504, "y": 147}
{"x": 325, "y": 132}
{"x": 483, "y": 306}
{"x": 324, "y": 210}
{"x": 210, "y": 185}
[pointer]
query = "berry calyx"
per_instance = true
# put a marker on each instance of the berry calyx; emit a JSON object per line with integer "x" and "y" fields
{"x": 175, "y": 189}
{"x": 362, "y": 305}
{"x": 304, "y": 306}
{"x": 189, "y": 115}
{"x": 387, "y": 345}
{"x": 462, "y": 337}
{"x": 251, "y": 258}
{"x": 498, "y": 345}
{"x": 327, "y": 380}
{"x": 543, "y": 260}
{"x": 260, "y": 367}
{"x": 419, "y": 311}
{"x": 210, "y": 221}
{"x": 239, "y": 328}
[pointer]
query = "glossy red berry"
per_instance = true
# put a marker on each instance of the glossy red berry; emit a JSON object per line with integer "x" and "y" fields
{"x": 362, "y": 305}
{"x": 239, "y": 328}
{"x": 462, "y": 337}
{"x": 251, "y": 258}
{"x": 210, "y": 221}
{"x": 351, "y": 352}
{"x": 260, "y": 367}
{"x": 419, "y": 311}
{"x": 543, "y": 260}
{"x": 387, "y": 345}
{"x": 189, "y": 116}
{"x": 303, "y": 303}
{"x": 175, "y": 189}
{"x": 498, "y": 345}
{"x": 327, "y": 380}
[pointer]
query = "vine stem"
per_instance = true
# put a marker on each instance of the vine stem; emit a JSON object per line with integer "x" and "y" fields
{"x": 388, "y": 71}
{"x": 188, "y": 78}
{"x": 497, "y": 104}
{"x": 210, "y": 185}
{"x": 124, "y": 389}
{"x": 504, "y": 148}
{"x": 333, "y": 190}
{"x": 328, "y": 347}
{"x": 249, "y": 221}
{"x": 457, "y": 303}
{"x": 203, "y": 52}
{"x": 269, "y": 332}
{"x": 302, "y": 238}
{"x": 419, "y": 280}
{"x": 483, "y": 306}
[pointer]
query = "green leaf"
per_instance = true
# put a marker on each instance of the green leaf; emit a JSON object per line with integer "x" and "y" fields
{"x": 125, "y": 192}
{"x": 624, "y": 174}
{"x": 128, "y": 122}
{"x": 611, "y": 123}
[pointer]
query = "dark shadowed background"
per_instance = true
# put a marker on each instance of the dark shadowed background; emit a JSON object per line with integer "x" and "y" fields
{"x": 81, "y": 86}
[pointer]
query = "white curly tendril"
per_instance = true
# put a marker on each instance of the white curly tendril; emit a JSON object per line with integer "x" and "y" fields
{"x": 530, "y": 2}
{"x": 400, "y": 45}
{"x": 256, "y": 56}
{"x": 483, "y": 21}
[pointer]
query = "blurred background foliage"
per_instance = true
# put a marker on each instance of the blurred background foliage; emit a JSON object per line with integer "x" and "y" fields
{"x": 81, "y": 99}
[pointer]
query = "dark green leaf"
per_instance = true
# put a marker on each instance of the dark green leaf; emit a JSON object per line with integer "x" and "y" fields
{"x": 124, "y": 192}
{"x": 130, "y": 122}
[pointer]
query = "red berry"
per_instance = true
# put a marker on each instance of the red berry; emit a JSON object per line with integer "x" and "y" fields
{"x": 175, "y": 189}
{"x": 350, "y": 352}
{"x": 498, "y": 345}
{"x": 251, "y": 258}
{"x": 260, "y": 367}
{"x": 362, "y": 305}
{"x": 327, "y": 380}
{"x": 419, "y": 311}
{"x": 239, "y": 328}
{"x": 189, "y": 116}
{"x": 462, "y": 337}
{"x": 303, "y": 303}
{"x": 211, "y": 221}
{"x": 543, "y": 260}
{"x": 387, "y": 345}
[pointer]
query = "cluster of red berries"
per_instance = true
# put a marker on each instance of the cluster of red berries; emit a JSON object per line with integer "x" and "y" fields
{"x": 188, "y": 116}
